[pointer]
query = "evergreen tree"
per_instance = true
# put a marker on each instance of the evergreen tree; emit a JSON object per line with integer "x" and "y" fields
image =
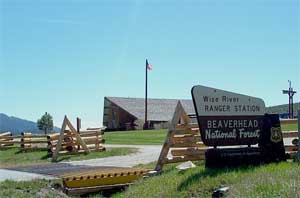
{"x": 45, "y": 123}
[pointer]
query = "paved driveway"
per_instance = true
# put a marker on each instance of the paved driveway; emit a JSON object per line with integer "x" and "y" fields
{"x": 145, "y": 154}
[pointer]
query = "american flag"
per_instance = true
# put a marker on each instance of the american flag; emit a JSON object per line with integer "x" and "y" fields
{"x": 149, "y": 66}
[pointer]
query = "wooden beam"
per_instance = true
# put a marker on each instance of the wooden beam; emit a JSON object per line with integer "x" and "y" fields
{"x": 33, "y": 141}
{"x": 290, "y": 134}
{"x": 34, "y": 136}
{"x": 187, "y": 126}
{"x": 90, "y": 133}
{"x": 60, "y": 140}
{"x": 188, "y": 151}
{"x": 3, "y": 138}
{"x": 290, "y": 148}
{"x": 5, "y": 134}
{"x": 184, "y": 144}
{"x": 94, "y": 141}
{"x": 164, "y": 152}
{"x": 10, "y": 142}
{"x": 179, "y": 114}
{"x": 186, "y": 139}
{"x": 190, "y": 131}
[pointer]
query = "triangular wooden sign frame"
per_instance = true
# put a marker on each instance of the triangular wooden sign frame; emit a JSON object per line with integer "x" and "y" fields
{"x": 67, "y": 123}
{"x": 179, "y": 115}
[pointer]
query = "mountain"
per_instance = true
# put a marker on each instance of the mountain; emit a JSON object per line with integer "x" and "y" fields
{"x": 18, "y": 125}
{"x": 283, "y": 108}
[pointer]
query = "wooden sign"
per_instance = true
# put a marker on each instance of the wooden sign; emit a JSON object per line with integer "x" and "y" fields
{"x": 227, "y": 118}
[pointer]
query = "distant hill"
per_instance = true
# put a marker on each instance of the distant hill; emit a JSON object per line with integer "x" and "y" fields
{"x": 283, "y": 108}
{"x": 18, "y": 125}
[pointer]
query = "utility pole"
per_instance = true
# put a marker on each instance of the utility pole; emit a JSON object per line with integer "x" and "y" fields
{"x": 291, "y": 94}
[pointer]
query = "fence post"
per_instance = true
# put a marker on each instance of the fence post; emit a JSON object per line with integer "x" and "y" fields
{"x": 298, "y": 153}
{"x": 22, "y": 140}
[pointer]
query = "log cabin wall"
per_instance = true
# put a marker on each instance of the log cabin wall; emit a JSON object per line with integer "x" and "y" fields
{"x": 115, "y": 118}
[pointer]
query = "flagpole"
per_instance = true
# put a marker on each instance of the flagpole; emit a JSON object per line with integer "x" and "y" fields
{"x": 146, "y": 96}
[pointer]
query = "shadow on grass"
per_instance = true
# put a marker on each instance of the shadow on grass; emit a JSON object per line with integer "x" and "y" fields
{"x": 31, "y": 150}
{"x": 8, "y": 148}
{"x": 66, "y": 158}
{"x": 18, "y": 152}
{"x": 63, "y": 158}
{"x": 209, "y": 172}
{"x": 168, "y": 170}
{"x": 45, "y": 157}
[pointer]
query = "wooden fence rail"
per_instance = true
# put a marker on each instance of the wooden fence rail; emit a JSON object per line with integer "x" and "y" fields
{"x": 6, "y": 139}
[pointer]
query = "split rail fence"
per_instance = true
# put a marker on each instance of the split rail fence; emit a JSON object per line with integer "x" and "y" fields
{"x": 93, "y": 139}
{"x": 26, "y": 141}
{"x": 70, "y": 141}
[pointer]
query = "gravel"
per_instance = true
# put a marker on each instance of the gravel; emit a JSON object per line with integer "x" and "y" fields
{"x": 145, "y": 154}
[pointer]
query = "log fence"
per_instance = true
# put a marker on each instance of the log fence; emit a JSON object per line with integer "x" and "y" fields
{"x": 26, "y": 141}
{"x": 71, "y": 141}
{"x": 93, "y": 139}
{"x": 31, "y": 141}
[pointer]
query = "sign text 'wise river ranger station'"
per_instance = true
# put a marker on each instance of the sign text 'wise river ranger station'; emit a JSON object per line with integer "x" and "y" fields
{"x": 227, "y": 118}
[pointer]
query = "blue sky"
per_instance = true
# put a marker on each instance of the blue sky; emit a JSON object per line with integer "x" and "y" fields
{"x": 64, "y": 56}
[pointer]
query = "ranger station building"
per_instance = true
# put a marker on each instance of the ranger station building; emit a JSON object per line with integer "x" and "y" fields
{"x": 129, "y": 113}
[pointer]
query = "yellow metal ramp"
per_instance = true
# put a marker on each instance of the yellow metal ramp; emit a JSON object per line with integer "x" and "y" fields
{"x": 91, "y": 181}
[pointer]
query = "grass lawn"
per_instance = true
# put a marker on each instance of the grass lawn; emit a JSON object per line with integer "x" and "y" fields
{"x": 154, "y": 137}
{"x": 136, "y": 137}
{"x": 273, "y": 180}
{"x": 289, "y": 127}
{"x": 32, "y": 189}
{"x": 14, "y": 157}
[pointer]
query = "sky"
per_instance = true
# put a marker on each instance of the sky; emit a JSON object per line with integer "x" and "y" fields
{"x": 64, "y": 56}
